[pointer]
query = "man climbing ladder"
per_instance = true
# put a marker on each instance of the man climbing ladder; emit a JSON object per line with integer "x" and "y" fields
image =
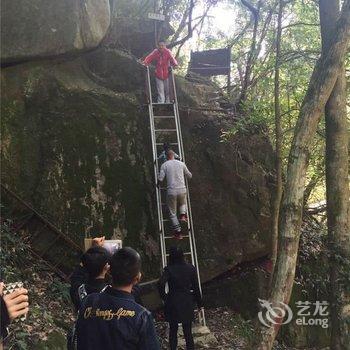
{"x": 175, "y": 172}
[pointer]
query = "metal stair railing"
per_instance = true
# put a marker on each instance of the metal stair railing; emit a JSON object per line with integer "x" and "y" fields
{"x": 47, "y": 242}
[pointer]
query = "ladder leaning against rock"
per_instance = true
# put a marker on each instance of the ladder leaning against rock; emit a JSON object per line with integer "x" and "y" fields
{"x": 166, "y": 127}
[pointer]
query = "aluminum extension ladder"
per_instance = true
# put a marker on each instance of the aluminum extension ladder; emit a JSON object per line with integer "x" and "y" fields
{"x": 172, "y": 131}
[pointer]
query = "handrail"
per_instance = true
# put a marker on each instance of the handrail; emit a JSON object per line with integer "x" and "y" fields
{"x": 42, "y": 218}
{"x": 155, "y": 167}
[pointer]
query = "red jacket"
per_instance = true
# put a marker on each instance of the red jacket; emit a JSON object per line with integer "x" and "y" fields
{"x": 163, "y": 60}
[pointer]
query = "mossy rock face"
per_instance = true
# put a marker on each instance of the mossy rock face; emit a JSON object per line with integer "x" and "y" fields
{"x": 39, "y": 28}
{"x": 239, "y": 291}
{"x": 125, "y": 78}
{"x": 76, "y": 154}
{"x": 132, "y": 30}
{"x": 77, "y": 147}
{"x": 306, "y": 334}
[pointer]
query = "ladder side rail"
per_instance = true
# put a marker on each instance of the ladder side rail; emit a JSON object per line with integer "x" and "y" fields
{"x": 155, "y": 167}
{"x": 154, "y": 147}
{"x": 194, "y": 248}
{"x": 160, "y": 210}
{"x": 192, "y": 236}
{"x": 162, "y": 233}
{"x": 178, "y": 136}
{"x": 190, "y": 230}
{"x": 193, "y": 240}
{"x": 182, "y": 155}
{"x": 159, "y": 201}
{"x": 179, "y": 141}
{"x": 159, "y": 205}
{"x": 177, "y": 119}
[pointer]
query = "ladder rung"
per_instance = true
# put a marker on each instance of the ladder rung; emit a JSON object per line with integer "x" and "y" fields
{"x": 164, "y": 116}
{"x": 171, "y": 144}
{"x": 187, "y": 253}
{"x": 171, "y": 237}
{"x": 165, "y": 130}
{"x": 159, "y": 103}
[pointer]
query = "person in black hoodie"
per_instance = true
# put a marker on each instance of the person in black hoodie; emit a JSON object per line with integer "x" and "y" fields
{"x": 90, "y": 276}
{"x": 111, "y": 319}
{"x": 180, "y": 300}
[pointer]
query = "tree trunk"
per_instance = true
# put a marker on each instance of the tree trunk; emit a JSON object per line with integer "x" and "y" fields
{"x": 252, "y": 52}
{"x": 278, "y": 135}
{"x": 320, "y": 87}
{"x": 337, "y": 190}
{"x": 311, "y": 186}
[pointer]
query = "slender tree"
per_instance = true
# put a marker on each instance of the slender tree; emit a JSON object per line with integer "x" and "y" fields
{"x": 337, "y": 190}
{"x": 320, "y": 87}
{"x": 255, "y": 11}
{"x": 278, "y": 135}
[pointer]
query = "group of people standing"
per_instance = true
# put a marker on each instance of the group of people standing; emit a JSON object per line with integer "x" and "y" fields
{"x": 106, "y": 294}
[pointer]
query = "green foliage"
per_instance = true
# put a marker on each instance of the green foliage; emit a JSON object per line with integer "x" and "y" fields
{"x": 242, "y": 328}
{"x": 21, "y": 343}
{"x": 13, "y": 253}
{"x": 49, "y": 301}
{"x": 246, "y": 126}
{"x": 60, "y": 290}
{"x": 313, "y": 271}
{"x": 300, "y": 49}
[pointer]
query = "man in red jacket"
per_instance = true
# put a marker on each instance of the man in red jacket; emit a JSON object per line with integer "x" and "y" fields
{"x": 163, "y": 58}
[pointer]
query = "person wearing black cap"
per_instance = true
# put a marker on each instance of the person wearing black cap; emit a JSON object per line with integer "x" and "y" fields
{"x": 179, "y": 302}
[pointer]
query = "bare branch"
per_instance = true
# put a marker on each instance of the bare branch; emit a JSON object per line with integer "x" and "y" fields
{"x": 189, "y": 28}
{"x": 300, "y": 24}
{"x": 251, "y": 8}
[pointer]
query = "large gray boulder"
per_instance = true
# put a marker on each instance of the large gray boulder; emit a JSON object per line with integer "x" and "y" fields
{"x": 132, "y": 30}
{"x": 38, "y": 28}
{"x": 76, "y": 145}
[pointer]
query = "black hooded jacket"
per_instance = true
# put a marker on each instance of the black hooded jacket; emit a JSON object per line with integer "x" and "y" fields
{"x": 183, "y": 293}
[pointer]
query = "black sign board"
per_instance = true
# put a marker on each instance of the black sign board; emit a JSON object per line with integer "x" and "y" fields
{"x": 211, "y": 62}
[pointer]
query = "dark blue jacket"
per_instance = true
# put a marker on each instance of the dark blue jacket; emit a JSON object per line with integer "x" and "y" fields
{"x": 112, "y": 320}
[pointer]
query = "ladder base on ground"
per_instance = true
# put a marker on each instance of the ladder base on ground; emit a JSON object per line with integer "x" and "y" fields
{"x": 202, "y": 338}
